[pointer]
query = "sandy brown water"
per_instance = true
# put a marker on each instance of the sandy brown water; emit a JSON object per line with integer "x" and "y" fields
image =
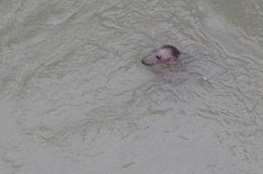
{"x": 74, "y": 97}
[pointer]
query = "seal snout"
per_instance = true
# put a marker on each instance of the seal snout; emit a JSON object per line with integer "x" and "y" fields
{"x": 145, "y": 63}
{"x": 167, "y": 55}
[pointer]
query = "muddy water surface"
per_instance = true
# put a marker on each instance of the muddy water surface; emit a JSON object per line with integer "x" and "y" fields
{"x": 74, "y": 97}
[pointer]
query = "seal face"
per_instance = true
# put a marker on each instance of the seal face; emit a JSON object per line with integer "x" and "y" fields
{"x": 165, "y": 55}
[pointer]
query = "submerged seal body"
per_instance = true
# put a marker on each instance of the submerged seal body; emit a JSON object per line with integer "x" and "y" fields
{"x": 165, "y": 55}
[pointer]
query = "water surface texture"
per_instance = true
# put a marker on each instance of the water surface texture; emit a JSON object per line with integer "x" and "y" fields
{"x": 75, "y": 99}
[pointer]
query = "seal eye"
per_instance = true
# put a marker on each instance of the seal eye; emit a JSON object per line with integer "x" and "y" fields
{"x": 158, "y": 57}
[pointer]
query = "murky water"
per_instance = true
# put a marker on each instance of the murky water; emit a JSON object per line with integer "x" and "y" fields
{"x": 74, "y": 97}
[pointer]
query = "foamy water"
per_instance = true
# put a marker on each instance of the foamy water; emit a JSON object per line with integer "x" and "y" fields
{"x": 74, "y": 97}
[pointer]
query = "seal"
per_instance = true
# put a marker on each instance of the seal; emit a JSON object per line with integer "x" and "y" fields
{"x": 165, "y": 55}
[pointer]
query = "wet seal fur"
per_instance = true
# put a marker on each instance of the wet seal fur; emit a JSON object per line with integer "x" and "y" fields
{"x": 165, "y": 63}
{"x": 165, "y": 55}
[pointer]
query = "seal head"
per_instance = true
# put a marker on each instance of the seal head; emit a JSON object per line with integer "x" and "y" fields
{"x": 165, "y": 55}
